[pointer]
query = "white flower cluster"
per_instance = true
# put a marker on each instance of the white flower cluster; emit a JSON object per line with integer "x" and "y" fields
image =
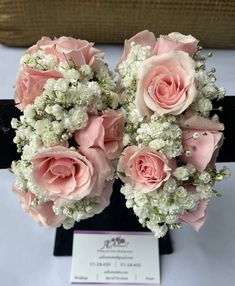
{"x": 109, "y": 95}
{"x": 127, "y": 71}
{"x": 162, "y": 134}
{"x": 162, "y": 208}
{"x": 38, "y": 60}
{"x": 206, "y": 87}
{"x": 128, "y": 68}
{"x": 22, "y": 170}
{"x": 81, "y": 210}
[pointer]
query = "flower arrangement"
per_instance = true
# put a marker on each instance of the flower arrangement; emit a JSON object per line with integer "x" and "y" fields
{"x": 153, "y": 128}
{"x": 69, "y": 134}
{"x": 171, "y": 140}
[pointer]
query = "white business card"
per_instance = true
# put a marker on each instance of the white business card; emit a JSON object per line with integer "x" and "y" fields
{"x": 115, "y": 258}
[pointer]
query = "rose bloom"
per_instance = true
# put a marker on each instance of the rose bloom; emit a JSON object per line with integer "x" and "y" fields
{"x": 176, "y": 42}
{"x": 30, "y": 83}
{"x": 145, "y": 168}
{"x": 165, "y": 84}
{"x": 42, "y": 213}
{"x": 78, "y": 52}
{"x": 105, "y": 132}
{"x": 164, "y": 44}
{"x": 205, "y": 148}
{"x": 66, "y": 176}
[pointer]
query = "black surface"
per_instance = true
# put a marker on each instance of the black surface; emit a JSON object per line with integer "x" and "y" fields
{"x": 116, "y": 217}
{"x": 227, "y": 116}
{"x": 8, "y": 148}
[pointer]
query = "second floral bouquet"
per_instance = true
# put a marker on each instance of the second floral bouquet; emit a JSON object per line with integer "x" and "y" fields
{"x": 153, "y": 129}
{"x": 172, "y": 141}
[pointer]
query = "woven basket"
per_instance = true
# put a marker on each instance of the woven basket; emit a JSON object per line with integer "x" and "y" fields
{"x": 23, "y": 22}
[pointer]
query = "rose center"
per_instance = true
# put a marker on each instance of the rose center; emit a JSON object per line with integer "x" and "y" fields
{"x": 162, "y": 89}
{"x": 61, "y": 169}
{"x": 147, "y": 171}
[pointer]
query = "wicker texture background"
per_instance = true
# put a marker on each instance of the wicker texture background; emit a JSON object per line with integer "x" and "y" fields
{"x": 23, "y": 22}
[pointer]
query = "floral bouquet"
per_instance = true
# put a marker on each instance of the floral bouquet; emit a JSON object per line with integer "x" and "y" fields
{"x": 155, "y": 128}
{"x": 69, "y": 134}
{"x": 171, "y": 140}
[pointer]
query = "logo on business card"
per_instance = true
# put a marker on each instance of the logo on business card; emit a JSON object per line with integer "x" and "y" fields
{"x": 115, "y": 242}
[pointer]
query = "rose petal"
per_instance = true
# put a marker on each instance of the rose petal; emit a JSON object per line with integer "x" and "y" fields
{"x": 198, "y": 122}
{"x": 196, "y": 218}
{"x": 144, "y": 38}
{"x": 202, "y": 149}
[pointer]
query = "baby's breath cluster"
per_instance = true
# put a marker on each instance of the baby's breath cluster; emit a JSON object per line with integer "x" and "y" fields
{"x": 162, "y": 209}
{"x": 128, "y": 68}
{"x": 38, "y": 60}
{"x": 163, "y": 134}
{"x": 81, "y": 210}
{"x": 207, "y": 91}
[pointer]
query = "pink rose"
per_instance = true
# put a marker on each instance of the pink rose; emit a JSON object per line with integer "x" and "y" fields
{"x": 45, "y": 44}
{"x": 76, "y": 51}
{"x": 145, "y": 168}
{"x": 144, "y": 38}
{"x": 42, "y": 213}
{"x": 165, "y": 44}
{"x": 204, "y": 149}
{"x": 197, "y": 217}
{"x": 165, "y": 84}
{"x": 105, "y": 132}
{"x": 66, "y": 176}
{"x": 176, "y": 42}
{"x": 30, "y": 83}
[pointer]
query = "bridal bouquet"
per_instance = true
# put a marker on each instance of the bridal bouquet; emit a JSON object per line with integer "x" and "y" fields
{"x": 69, "y": 134}
{"x": 155, "y": 129}
{"x": 171, "y": 140}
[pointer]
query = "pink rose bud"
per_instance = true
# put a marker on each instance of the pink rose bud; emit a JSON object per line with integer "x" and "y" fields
{"x": 105, "y": 132}
{"x": 76, "y": 51}
{"x": 176, "y": 42}
{"x": 79, "y": 52}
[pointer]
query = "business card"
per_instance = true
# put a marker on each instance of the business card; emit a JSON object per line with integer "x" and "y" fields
{"x": 115, "y": 258}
